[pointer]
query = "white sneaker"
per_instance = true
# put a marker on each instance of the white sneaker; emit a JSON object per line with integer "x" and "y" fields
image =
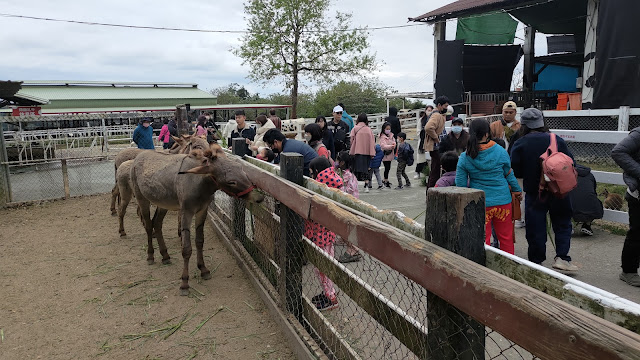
{"x": 416, "y": 176}
{"x": 564, "y": 265}
{"x": 366, "y": 189}
{"x": 520, "y": 224}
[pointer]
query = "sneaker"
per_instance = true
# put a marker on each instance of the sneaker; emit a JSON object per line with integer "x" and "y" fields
{"x": 388, "y": 185}
{"x": 399, "y": 187}
{"x": 347, "y": 258}
{"x": 564, "y": 265}
{"x": 366, "y": 189}
{"x": 586, "y": 229}
{"x": 408, "y": 184}
{"x": 632, "y": 279}
{"x": 318, "y": 298}
{"x": 520, "y": 224}
{"x": 416, "y": 176}
{"x": 380, "y": 187}
{"x": 326, "y": 304}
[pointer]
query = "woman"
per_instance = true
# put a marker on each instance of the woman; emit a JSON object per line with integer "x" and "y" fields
{"x": 363, "y": 148}
{"x": 327, "y": 136}
{"x": 201, "y": 129}
{"x": 258, "y": 142}
{"x": 486, "y": 166}
{"x": 164, "y": 136}
{"x": 421, "y": 159}
{"x": 525, "y": 158}
{"x": 313, "y": 136}
{"x": 387, "y": 143}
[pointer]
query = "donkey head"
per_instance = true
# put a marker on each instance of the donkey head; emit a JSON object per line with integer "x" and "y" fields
{"x": 226, "y": 173}
{"x": 186, "y": 143}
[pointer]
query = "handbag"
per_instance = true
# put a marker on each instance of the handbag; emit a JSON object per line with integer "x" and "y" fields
{"x": 516, "y": 212}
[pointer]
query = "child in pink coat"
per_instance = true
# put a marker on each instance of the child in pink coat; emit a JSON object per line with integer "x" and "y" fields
{"x": 388, "y": 145}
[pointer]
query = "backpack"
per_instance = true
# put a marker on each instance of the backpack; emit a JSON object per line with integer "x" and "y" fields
{"x": 559, "y": 175}
{"x": 409, "y": 155}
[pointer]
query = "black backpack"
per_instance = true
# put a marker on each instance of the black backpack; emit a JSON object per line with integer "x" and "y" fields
{"x": 410, "y": 158}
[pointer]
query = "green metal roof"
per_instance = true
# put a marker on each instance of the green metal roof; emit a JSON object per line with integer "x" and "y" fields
{"x": 161, "y": 108}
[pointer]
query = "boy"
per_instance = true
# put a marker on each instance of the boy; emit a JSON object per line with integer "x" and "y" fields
{"x": 449, "y": 163}
{"x": 374, "y": 167}
{"x": 405, "y": 156}
{"x": 266, "y": 154}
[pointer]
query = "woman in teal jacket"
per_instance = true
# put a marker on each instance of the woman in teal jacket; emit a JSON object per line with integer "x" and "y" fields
{"x": 486, "y": 166}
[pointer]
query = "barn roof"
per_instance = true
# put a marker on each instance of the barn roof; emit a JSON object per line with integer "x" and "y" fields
{"x": 462, "y": 8}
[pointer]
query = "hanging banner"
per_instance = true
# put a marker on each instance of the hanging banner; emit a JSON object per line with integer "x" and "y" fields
{"x": 27, "y": 110}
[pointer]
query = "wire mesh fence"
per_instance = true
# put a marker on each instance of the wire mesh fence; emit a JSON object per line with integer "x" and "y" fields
{"x": 359, "y": 308}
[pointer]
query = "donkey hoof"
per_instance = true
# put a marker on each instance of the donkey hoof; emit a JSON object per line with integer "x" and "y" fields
{"x": 184, "y": 292}
{"x": 206, "y": 275}
{"x": 123, "y": 234}
{"x": 114, "y": 213}
{"x": 166, "y": 261}
{"x": 150, "y": 261}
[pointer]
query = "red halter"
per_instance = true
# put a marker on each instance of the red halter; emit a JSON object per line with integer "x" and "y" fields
{"x": 238, "y": 195}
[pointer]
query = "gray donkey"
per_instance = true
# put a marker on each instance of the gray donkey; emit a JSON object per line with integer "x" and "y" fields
{"x": 185, "y": 183}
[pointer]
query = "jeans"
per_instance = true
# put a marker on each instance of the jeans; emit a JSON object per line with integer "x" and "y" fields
{"x": 165, "y": 145}
{"x": 375, "y": 171}
{"x": 631, "y": 248}
{"x": 560, "y": 212}
{"x": 401, "y": 173}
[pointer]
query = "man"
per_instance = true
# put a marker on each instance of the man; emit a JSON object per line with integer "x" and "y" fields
{"x": 394, "y": 121}
{"x": 340, "y": 130}
{"x": 433, "y": 133}
{"x": 506, "y": 128}
{"x": 346, "y": 117}
{"x": 242, "y": 130}
{"x": 143, "y": 135}
{"x": 456, "y": 140}
{"x": 275, "y": 120}
{"x": 279, "y": 144}
{"x": 627, "y": 155}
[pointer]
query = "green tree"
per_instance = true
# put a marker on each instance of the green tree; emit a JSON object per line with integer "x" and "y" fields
{"x": 288, "y": 39}
{"x": 366, "y": 96}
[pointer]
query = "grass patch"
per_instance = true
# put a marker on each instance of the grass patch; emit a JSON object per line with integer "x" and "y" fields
{"x": 614, "y": 228}
{"x": 165, "y": 332}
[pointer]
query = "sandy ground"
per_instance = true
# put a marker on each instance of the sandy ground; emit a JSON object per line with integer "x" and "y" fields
{"x": 71, "y": 288}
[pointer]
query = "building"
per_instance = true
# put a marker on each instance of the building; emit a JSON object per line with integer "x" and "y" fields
{"x": 594, "y": 57}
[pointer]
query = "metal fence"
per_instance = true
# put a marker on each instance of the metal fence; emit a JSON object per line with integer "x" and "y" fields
{"x": 381, "y": 310}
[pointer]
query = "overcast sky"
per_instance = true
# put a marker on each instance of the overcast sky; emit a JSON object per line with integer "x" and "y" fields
{"x": 45, "y": 50}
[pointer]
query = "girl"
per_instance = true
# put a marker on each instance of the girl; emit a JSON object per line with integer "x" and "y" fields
{"x": 322, "y": 171}
{"x": 313, "y": 136}
{"x": 350, "y": 186}
{"x": 327, "y": 136}
{"x": 258, "y": 142}
{"x": 486, "y": 166}
{"x": 387, "y": 143}
{"x": 200, "y": 128}
{"x": 362, "y": 149}
{"x": 164, "y": 136}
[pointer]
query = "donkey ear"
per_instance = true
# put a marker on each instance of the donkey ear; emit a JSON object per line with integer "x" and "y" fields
{"x": 177, "y": 139}
{"x": 204, "y": 169}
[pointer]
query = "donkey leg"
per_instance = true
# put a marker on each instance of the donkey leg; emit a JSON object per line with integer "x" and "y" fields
{"x": 122, "y": 210}
{"x": 115, "y": 192}
{"x": 201, "y": 216}
{"x": 185, "y": 224}
{"x": 157, "y": 230}
{"x": 179, "y": 224}
{"x": 144, "y": 207}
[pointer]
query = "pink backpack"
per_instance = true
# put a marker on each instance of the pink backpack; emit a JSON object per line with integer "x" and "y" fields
{"x": 558, "y": 175}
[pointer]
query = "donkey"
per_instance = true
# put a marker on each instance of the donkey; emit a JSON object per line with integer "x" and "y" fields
{"x": 185, "y": 183}
{"x": 182, "y": 145}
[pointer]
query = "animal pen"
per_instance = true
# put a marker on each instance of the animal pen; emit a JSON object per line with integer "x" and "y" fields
{"x": 446, "y": 298}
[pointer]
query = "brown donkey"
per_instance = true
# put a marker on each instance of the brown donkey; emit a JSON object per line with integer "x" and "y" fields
{"x": 182, "y": 145}
{"x": 185, "y": 183}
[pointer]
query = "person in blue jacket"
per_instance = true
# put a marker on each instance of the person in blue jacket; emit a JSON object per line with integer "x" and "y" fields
{"x": 374, "y": 168}
{"x": 143, "y": 135}
{"x": 486, "y": 166}
{"x": 279, "y": 144}
{"x": 346, "y": 117}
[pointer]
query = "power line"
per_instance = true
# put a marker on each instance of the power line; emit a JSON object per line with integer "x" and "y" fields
{"x": 193, "y": 30}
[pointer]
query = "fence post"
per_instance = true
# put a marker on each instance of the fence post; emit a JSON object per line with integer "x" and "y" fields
{"x": 65, "y": 178}
{"x": 105, "y": 137}
{"x": 182, "y": 120}
{"x": 239, "y": 206}
{"x": 289, "y": 251}
{"x": 455, "y": 221}
{"x": 5, "y": 185}
{"x": 623, "y": 118}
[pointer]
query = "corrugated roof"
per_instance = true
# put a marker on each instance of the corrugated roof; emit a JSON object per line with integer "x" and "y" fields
{"x": 469, "y": 7}
{"x": 161, "y": 108}
{"x": 106, "y": 83}
{"x": 79, "y": 92}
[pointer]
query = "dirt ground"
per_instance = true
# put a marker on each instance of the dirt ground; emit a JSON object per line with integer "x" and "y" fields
{"x": 71, "y": 288}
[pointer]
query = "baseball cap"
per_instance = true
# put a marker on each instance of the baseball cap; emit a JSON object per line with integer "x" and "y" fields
{"x": 337, "y": 109}
{"x": 509, "y": 105}
{"x": 457, "y": 120}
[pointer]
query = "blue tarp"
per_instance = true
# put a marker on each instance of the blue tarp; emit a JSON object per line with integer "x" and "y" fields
{"x": 556, "y": 77}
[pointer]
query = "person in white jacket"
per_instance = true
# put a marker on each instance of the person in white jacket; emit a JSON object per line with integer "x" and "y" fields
{"x": 265, "y": 124}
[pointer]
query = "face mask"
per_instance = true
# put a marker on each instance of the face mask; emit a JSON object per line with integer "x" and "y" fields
{"x": 307, "y": 138}
{"x": 510, "y": 124}
{"x": 456, "y": 129}
{"x": 260, "y": 157}
{"x": 387, "y": 132}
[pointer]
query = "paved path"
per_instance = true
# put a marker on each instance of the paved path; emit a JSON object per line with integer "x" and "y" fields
{"x": 598, "y": 257}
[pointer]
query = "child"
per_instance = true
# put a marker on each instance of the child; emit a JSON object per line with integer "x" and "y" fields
{"x": 350, "y": 186}
{"x": 584, "y": 200}
{"x": 266, "y": 154}
{"x": 374, "y": 167}
{"x": 322, "y": 171}
{"x": 405, "y": 155}
{"x": 449, "y": 162}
